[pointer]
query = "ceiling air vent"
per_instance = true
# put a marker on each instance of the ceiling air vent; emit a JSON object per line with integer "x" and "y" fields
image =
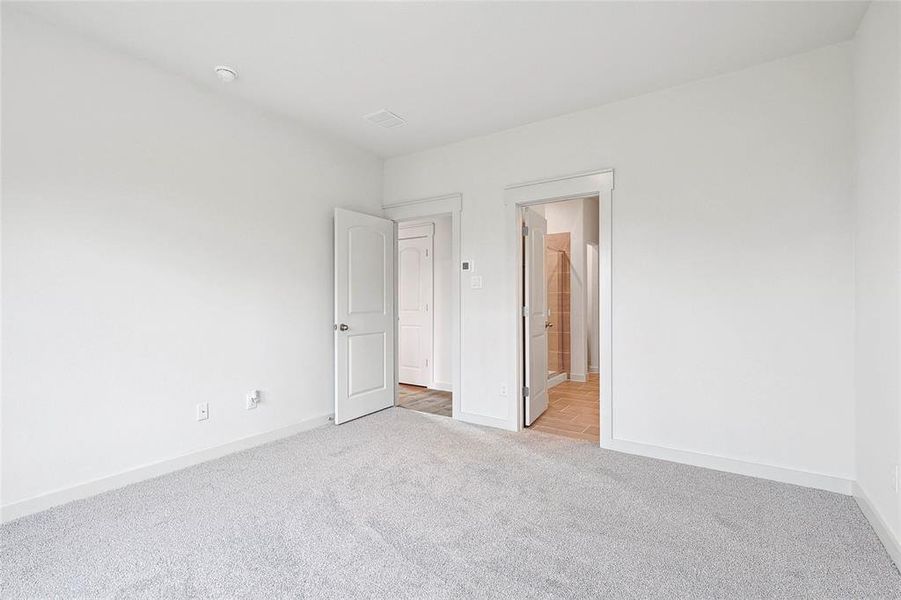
{"x": 385, "y": 118}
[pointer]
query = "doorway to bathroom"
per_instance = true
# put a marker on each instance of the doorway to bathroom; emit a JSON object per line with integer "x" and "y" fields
{"x": 560, "y": 328}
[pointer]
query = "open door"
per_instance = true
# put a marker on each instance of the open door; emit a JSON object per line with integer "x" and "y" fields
{"x": 364, "y": 314}
{"x": 535, "y": 315}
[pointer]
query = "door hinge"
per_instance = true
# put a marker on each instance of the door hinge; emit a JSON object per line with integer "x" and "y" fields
{"x": 525, "y": 230}
{"x": 525, "y": 311}
{"x": 426, "y": 252}
{"x": 426, "y": 362}
{"x": 525, "y": 391}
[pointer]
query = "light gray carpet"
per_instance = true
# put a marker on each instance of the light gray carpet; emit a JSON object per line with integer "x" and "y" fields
{"x": 406, "y": 505}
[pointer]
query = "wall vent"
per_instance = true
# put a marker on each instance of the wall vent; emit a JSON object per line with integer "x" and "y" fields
{"x": 385, "y": 118}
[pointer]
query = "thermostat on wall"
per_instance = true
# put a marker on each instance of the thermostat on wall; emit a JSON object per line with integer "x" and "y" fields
{"x": 467, "y": 265}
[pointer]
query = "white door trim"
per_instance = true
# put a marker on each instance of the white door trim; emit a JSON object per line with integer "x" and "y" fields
{"x": 568, "y": 187}
{"x": 451, "y": 204}
{"x": 412, "y": 229}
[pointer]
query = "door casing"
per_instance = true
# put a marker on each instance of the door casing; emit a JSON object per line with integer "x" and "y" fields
{"x": 557, "y": 189}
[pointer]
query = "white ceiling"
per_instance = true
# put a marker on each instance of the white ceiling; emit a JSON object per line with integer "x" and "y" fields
{"x": 452, "y": 70}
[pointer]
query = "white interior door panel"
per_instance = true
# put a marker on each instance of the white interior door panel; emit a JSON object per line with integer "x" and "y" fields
{"x": 535, "y": 320}
{"x": 415, "y": 308}
{"x": 364, "y": 314}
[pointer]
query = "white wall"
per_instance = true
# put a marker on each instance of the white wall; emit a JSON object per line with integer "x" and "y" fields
{"x": 163, "y": 245}
{"x": 732, "y": 258}
{"x": 877, "y": 70}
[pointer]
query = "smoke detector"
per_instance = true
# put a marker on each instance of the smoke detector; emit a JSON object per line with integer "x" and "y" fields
{"x": 226, "y": 74}
{"x": 385, "y": 118}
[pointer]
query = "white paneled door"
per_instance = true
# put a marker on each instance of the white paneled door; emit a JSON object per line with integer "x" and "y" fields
{"x": 414, "y": 305}
{"x": 535, "y": 319}
{"x": 364, "y": 314}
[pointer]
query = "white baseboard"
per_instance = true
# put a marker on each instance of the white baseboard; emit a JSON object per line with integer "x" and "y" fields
{"x": 594, "y": 369}
{"x": 35, "y": 504}
{"x": 441, "y": 386}
{"x": 486, "y": 421}
{"x": 891, "y": 543}
{"x": 581, "y": 377}
{"x": 731, "y": 465}
{"x": 556, "y": 380}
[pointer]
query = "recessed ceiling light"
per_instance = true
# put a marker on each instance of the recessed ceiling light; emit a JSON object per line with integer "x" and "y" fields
{"x": 385, "y": 118}
{"x": 226, "y": 74}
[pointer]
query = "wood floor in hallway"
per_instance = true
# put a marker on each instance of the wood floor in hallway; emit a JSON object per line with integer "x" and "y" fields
{"x": 423, "y": 399}
{"x": 573, "y": 410}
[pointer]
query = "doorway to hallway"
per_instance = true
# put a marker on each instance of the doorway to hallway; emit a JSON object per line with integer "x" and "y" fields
{"x": 424, "y": 279}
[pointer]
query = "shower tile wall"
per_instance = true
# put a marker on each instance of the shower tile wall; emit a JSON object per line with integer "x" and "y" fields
{"x": 557, "y": 271}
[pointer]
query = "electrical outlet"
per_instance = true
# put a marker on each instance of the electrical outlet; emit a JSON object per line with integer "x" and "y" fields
{"x": 203, "y": 411}
{"x": 253, "y": 400}
{"x": 504, "y": 389}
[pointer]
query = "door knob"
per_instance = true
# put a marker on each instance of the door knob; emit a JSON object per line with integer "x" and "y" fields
{"x": 343, "y": 327}
{"x": 548, "y": 324}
